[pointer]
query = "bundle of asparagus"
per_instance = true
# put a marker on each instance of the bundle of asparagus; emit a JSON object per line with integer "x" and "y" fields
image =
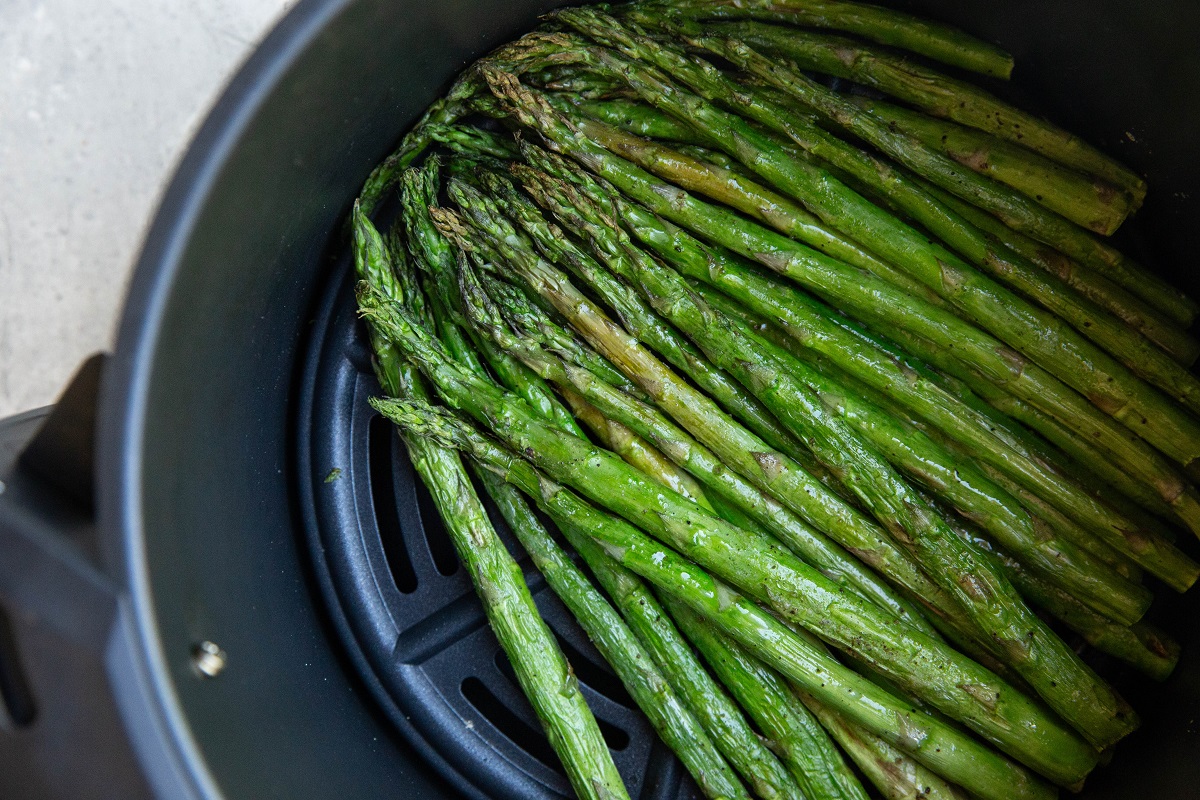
{"x": 857, "y": 428}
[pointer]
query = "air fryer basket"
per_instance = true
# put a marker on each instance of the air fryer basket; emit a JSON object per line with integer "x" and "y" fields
{"x": 248, "y": 496}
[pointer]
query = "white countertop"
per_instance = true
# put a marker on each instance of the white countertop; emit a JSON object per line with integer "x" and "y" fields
{"x": 98, "y": 100}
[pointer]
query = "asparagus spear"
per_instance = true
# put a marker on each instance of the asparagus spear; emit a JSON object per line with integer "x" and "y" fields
{"x": 908, "y": 449}
{"x": 698, "y": 459}
{"x": 655, "y": 633}
{"x": 935, "y": 93}
{"x": 577, "y": 81}
{"x": 942, "y": 96}
{"x": 939, "y": 746}
{"x": 634, "y": 450}
{"x": 816, "y": 327}
{"x": 523, "y": 315}
{"x": 1048, "y": 542}
{"x": 923, "y": 665}
{"x": 1139, "y": 353}
{"x": 434, "y": 254}
{"x": 1094, "y": 204}
{"x": 635, "y": 117}
{"x": 895, "y": 775}
{"x": 795, "y": 394}
{"x": 1133, "y": 311}
{"x": 471, "y": 140}
{"x": 967, "y": 290}
{"x": 1149, "y": 650}
{"x": 705, "y": 697}
{"x": 677, "y": 350}
{"x": 707, "y": 701}
{"x": 910, "y": 149}
{"x": 675, "y": 723}
{"x": 701, "y": 462}
{"x": 771, "y": 471}
{"x": 1044, "y": 338}
{"x": 745, "y": 195}
{"x": 1061, "y": 524}
{"x": 875, "y": 23}
{"x": 541, "y": 669}
{"x": 812, "y": 758}
{"x": 466, "y": 95}
{"x": 870, "y": 300}
{"x": 1138, "y": 471}
{"x": 516, "y": 307}
{"x": 1142, "y": 645}
{"x": 634, "y": 314}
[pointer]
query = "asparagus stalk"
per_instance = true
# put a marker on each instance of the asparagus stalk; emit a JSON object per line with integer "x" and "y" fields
{"x": 771, "y": 471}
{"x": 967, "y": 290}
{"x": 633, "y": 313}
{"x": 676, "y": 349}
{"x": 523, "y": 315}
{"x": 942, "y": 96}
{"x": 923, "y": 665}
{"x": 935, "y": 93}
{"x": 1133, "y": 311}
{"x": 435, "y": 255}
{"x": 936, "y": 744}
{"x": 1043, "y": 512}
{"x": 1024, "y": 211}
{"x": 515, "y": 306}
{"x": 814, "y": 761}
{"x": 875, "y": 23}
{"x": 1091, "y": 203}
{"x": 1078, "y": 449}
{"x": 817, "y": 328}
{"x": 1038, "y": 540}
{"x": 655, "y": 633}
{"x": 1138, "y": 644}
{"x": 1139, "y": 472}
{"x": 705, "y": 697}
{"x": 541, "y": 669}
{"x": 577, "y": 81}
{"x": 634, "y": 450}
{"x": 695, "y": 456}
{"x": 635, "y": 117}
{"x": 795, "y": 394}
{"x": 470, "y": 140}
{"x": 699, "y": 461}
{"x": 895, "y": 775}
{"x": 1041, "y": 336}
{"x": 706, "y": 700}
{"x": 675, "y": 723}
{"x": 1136, "y": 351}
{"x": 1077, "y": 462}
{"x": 710, "y": 703}
{"x": 727, "y": 186}
{"x": 870, "y": 300}
{"x": 1142, "y": 645}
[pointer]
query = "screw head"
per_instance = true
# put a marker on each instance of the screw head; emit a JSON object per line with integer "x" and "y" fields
{"x": 209, "y": 659}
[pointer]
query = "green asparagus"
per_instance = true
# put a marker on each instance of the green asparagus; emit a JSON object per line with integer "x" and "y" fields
{"x": 939, "y": 746}
{"x": 540, "y": 666}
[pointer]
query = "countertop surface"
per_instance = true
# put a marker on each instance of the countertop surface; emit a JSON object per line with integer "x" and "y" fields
{"x": 98, "y": 100}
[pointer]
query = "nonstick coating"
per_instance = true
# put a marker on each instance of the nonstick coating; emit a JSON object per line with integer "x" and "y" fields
{"x": 199, "y": 500}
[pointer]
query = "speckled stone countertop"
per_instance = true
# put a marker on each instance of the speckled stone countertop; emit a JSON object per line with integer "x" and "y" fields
{"x": 98, "y": 100}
